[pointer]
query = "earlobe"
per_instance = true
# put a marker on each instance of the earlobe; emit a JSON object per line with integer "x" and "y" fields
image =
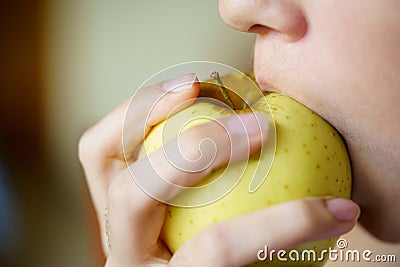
{"x": 281, "y": 16}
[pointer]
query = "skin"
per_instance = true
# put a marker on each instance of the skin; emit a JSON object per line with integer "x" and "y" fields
{"x": 342, "y": 60}
{"x": 339, "y": 58}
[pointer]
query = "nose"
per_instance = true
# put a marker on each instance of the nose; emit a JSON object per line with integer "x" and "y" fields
{"x": 263, "y": 16}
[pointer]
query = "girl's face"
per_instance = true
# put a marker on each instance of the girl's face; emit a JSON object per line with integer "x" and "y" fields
{"x": 342, "y": 60}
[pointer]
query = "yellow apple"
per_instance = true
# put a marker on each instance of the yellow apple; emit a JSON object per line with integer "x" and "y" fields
{"x": 310, "y": 159}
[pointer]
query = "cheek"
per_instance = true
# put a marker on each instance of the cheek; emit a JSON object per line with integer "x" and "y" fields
{"x": 341, "y": 68}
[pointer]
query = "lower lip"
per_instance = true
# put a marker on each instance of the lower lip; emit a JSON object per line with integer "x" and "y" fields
{"x": 263, "y": 86}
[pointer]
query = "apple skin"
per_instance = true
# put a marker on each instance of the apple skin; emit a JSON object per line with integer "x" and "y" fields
{"x": 310, "y": 159}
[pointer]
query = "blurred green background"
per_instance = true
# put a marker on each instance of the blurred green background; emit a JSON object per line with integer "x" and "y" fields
{"x": 64, "y": 65}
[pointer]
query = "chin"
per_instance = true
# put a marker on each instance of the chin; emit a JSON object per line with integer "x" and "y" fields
{"x": 379, "y": 230}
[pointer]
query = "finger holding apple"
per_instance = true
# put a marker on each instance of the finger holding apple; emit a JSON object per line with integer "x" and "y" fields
{"x": 135, "y": 217}
{"x": 260, "y": 235}
{"x": 104, "y": 156}
{"x": 168, "y": 173}
{"x": 130, "y": 220}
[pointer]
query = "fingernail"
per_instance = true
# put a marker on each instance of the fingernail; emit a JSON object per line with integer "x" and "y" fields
{"x": 179, "y": 83}
{"x": 343, "y": 210}
{"x": 252, "y": 124}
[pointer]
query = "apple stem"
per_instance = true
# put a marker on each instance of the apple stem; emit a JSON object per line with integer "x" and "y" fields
{"x": 222, "y": 89}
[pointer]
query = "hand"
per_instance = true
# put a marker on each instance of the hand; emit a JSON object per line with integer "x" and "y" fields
{"x": 130, "y": 220}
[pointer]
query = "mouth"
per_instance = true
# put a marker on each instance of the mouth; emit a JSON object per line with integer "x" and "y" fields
{"x": 260, "y": 84}
{"x": 265, "y": 85}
